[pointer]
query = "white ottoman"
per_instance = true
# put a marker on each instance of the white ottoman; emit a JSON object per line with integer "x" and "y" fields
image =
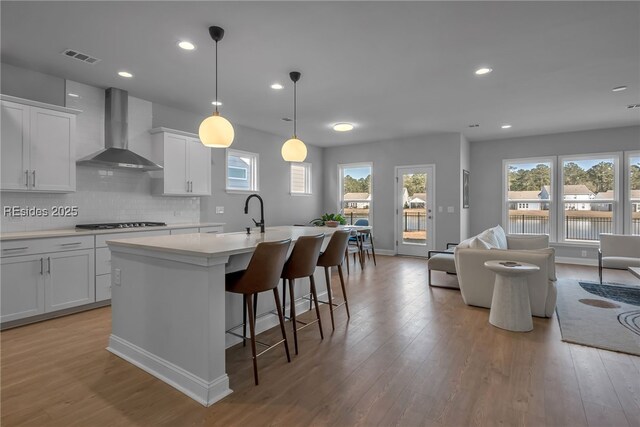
{"x": 510, "y": 307}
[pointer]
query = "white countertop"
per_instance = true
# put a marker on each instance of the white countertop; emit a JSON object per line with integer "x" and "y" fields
{"x": 222, "y": 244}
{"x": 39, "y": 234}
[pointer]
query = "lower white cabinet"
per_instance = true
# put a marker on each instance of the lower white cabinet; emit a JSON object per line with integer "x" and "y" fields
{"x": 36, "y": 284}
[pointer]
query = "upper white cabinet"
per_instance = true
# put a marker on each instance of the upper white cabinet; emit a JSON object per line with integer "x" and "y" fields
{"x": 37, "y": 146}
{"x": 186, "y": 162}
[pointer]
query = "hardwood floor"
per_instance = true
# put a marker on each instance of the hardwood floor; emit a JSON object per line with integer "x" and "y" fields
{"x": 409, "y": 355}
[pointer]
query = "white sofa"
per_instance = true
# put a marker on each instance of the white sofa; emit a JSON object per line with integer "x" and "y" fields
{"x": 618, "y": 251}
{"x": 476, "y": 281}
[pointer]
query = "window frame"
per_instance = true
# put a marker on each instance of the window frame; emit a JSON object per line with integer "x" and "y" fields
{"x": 616, "y": 205}
{"x": 254, "y": 182}
{"x": 552, "y": 200}
{"x": 627, "y": 200}
{"x": 341, "y": 168}
{"x": 308, "y": 188}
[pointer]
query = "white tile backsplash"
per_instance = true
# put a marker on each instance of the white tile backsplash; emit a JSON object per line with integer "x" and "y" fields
{"x": 102, "y": 195}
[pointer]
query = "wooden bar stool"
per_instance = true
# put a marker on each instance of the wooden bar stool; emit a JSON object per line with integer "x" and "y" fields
{"x": 331, "y": 257}
{"x": 302, "y": 263}
{"x": 262, "y": 274}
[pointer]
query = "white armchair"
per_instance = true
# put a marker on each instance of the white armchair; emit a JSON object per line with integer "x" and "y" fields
{"x": 476, "y": 281}
{"x": 618, "y": 251}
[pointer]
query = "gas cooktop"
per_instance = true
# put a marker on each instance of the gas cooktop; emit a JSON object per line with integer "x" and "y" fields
{"x": 112, "y": 225}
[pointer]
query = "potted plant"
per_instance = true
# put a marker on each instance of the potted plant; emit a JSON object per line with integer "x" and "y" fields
{"x": 329, "y": 220}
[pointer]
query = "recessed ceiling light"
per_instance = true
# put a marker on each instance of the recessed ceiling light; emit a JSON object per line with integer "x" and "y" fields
{"x": 218, "y": 103}
{"x": 183, "y": 44}
{"x": 343, "y": 127}
{"x": 506, "y": 126}
{"x": 125, "y": 74}
{"x": 484, "y": 70}
{"x": 619, "y": 89}
{"x": 74, "y": 95}
{"x": 277, "y": 86}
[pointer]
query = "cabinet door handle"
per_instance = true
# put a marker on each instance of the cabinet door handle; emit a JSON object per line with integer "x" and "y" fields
{"x": 26, "y": 176}
{"x": 71, "y": 244}
{"x": 41, "y": 266}
{"x": 34, "y": 178}
{"x": 49, "y": 265}
{"x": 187, "y": 186}
{"x": 16, "y": 249}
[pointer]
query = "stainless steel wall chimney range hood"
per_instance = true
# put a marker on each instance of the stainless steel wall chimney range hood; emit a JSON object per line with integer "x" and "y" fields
{"x": 116, "y": 153}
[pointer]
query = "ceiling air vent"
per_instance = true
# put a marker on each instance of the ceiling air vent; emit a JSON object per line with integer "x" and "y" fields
{"x": 70, "y": 53}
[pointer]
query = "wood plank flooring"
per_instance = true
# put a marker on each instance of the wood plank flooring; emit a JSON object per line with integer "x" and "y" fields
{"x": 410, "y": 355}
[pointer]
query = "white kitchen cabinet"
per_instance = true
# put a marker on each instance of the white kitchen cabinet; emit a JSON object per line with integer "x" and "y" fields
{"x": 37, "y": 280}
{"x": 186, "y": 163}
{"x": 37, "y": 147}
{"x": 22, "y": 287}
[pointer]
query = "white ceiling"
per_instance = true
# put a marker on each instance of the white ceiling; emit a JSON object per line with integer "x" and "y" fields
{"x": 393, "y": 69}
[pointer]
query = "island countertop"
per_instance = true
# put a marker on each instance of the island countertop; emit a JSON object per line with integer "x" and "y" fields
{"x": 221, "y": 244}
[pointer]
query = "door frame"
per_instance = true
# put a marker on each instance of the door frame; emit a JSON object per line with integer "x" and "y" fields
{"x": 396, "y": 196}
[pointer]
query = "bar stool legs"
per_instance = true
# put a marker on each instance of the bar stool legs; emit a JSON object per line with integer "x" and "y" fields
{"x": 344, "y": 290}
{"x": 315, "y": 300}
{"x": 292, "y": 314}
{"x": 281, "y": 319}
{"x": 249, "y": 306}
{"x": 327, "y": 276}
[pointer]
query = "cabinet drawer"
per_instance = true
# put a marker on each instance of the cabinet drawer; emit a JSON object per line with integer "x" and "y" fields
{"x": 38, "y": 246}
{"x": 101, "y": 239}
{"x": 103, "y": 261}
{"x": 184, "y": 231}
{"x": 103, "y": 287}
{"x": 212, "y": 229}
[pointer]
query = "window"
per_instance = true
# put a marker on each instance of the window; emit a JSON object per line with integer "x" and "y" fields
{"x": 528, "y": 196}
{"x": 242, "y": 171}
{"x": 356, "y": 191}
{"x": 589, "y": 197}
{"x": 300, "y": 178}
{"x": 633, "y": 177}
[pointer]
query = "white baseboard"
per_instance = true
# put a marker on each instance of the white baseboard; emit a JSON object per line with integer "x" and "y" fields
{"x": 205, "y": 392}
{"x": 387, "y": 252}
{"x": 576, "y": 261}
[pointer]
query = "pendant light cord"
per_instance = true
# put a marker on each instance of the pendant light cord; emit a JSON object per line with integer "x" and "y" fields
{"x": 295, "y": 109}
{"x": 216, "y": 77}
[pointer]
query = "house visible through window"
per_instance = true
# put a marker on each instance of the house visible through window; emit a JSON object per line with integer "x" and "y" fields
{"x": 242, "y": 171}
{"x": 356, "y": 192}
{"x": 300, "y": 178}
{"x": 528, "y": 196}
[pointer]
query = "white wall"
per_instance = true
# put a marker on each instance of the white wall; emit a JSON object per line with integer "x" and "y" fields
{"x": 30, "y": 84}
{"x": 465, "y": 164}
{"x": 486, "y": 164}
{"x": 443, "y": 150}
{"x": 280, "y": 207}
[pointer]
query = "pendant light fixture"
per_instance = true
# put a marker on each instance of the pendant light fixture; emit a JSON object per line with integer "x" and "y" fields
{"x": 216, "y": 131}
{"x": 294, "y": 150}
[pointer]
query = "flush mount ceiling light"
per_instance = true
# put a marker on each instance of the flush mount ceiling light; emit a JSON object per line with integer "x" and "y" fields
{"x": 294, "y": 150}
{"x": 619, "y": 89}
{"x": 215, "y": 130}
{"x": 505, "y": 126}
{"x": 343, "y": 127}
{"x": 484, "y": 70}
{"x": 186, "y": 45}
{"x": 125, "y": 74}
{"x": 277, "y": 86}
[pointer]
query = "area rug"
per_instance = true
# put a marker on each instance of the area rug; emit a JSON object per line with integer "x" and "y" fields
{"x": 600, "y": 315}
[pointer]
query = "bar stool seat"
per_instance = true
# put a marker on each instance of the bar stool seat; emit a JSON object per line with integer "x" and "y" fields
{"x": 302, "y": 263}
{"x": 332, "y": 257}
{"x": 262, "y": 275}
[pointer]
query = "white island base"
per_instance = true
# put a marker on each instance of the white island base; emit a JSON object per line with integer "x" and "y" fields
{"x": 169, "y": 309}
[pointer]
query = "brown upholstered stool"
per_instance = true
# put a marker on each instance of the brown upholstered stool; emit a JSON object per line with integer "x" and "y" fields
{"x": 332, "y": 257}
{"x": 302, "y": 263}
{"x": 262, "y": 274}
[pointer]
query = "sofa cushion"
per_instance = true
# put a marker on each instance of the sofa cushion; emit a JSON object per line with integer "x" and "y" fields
{"x": 527, "y": 241}
{"x": 620, "y": 262}
{"x": 551, "y": 264}
{"x": 442, "y": 262}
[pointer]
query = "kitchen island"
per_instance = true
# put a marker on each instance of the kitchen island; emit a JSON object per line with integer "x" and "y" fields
{"x": 170, "y": 309}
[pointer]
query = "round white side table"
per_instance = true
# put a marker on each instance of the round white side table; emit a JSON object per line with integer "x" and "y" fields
{"x": 510, "y": 307}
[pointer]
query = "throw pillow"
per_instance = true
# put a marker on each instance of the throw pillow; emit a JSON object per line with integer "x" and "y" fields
{"x": 500, "y": 236}
{"x": 489, "y": 238}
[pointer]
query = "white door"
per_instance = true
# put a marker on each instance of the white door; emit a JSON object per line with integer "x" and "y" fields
{"x": 199, "y": 167}
{"x": 52, "y": 150}
{"x": 70, "y": 279}
{"x": 22, "y": 287}
{"x": 175, "y": 164}
{"x": 14, "y": 149}
{"x": 414, "y": 210}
